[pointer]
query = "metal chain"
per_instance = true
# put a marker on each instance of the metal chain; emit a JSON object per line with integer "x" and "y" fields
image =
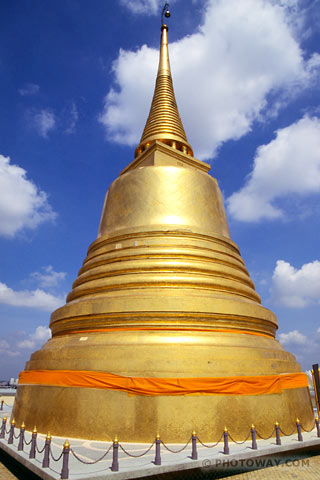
{"x": 40, "y": 451}
{"x": 177, "y": 451}
{"x": 8, "y": 431}
{"x": 136, "y": 456}
{"x": 265, "y": 438}
{"x": 28, "y": 443}
{"x": 287, "y": 434}
{"x": 53, "y": 457}
{"x": 16, "y": 436}
{"x": 211, "y": 446}
{"x": 305, "y": 430}
{"x": 239, "y": 443}
{"x": 94, "y": 461}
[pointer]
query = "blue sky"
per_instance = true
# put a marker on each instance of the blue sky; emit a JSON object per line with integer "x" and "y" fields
{"x": 76, "y": 82}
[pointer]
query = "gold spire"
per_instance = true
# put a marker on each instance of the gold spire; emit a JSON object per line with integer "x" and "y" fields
{"x": 164, "y": 122}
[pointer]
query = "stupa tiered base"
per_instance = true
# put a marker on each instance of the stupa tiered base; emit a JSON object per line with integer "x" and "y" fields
{"x": 165, "y": 301}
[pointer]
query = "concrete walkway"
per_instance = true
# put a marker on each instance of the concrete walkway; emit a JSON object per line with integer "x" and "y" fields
{"x": 288, "y": 458}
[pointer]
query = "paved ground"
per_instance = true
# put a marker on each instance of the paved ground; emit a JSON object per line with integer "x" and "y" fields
{"x": 306, "y": 469}
{"x": 5, "y": 474}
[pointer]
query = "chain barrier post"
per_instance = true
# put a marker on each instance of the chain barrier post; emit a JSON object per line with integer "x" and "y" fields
{"x": 300, "y": 439}
{"x": 194, "y": 454}
{"x": 225, "y": 441}
{"x": 32, "y": 453}
{"x": 115, "y": 456}
{"x": 278, "y": 439}
{"x": 317, "y": 425}
{"x": 65, "y": 461}
{"x": 46, "y": 456}
{"x": 21, "y": 437}
{"x": 157, "y": 459}
{"x": 3, "y": 427}
{"x": 1, "y": 407}
{"x": 11, "y": 434}
{"x": 254, "y": 445}
{"x": 316, "y": 384}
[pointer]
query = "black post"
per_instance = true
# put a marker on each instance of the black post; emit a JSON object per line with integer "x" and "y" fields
{"x": 32, "y": 453}
{"x": 3, "y": 427}
{"x": 157, "y": 459}
{"x": 21, "y": 437}
{"x": 225, "y": 442}
{"x": 115, "y": 461}
{"x": 194, "y": 454}
{"x": 318, "y": 427}
{"x": 11, "y": 434}
{"x": 1, "y": 407}
{"x": 299, "y": 430}
{"x": 46, "y": 456}
{"x": 316, "y": 380}
{"x": 278, "y": 439}
{"x": 254, "y": 445}
{"x": 65, "y": 461}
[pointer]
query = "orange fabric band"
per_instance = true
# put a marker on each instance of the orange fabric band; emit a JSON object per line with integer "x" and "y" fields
{"x": 178, "y": 329}
{"x": 242, "y": 385}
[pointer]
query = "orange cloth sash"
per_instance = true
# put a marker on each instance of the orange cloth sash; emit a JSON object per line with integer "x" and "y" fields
{"x": 241, "y": 385}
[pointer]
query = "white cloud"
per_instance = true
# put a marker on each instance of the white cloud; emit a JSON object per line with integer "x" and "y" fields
{"x": 118, "y": 116}
{"x": 37, "y": 338}
{"x": 48, "y": 278}
{"x": 224, "y": 75}
{"x": 6, "y": 350}
{"x": 293, "y": 337}
{"x": 147, "y": 7}
{"x": 38, "y": 298}
{"x": 29, "y": 89}
{"x": 296, "y": 288}
{"x": 304, "y": 346}
{"x": 22, "y": 204}
{"x": 4, "y": 345}
{"x": 44, "y": 121}
{"x": 289, "y": 164}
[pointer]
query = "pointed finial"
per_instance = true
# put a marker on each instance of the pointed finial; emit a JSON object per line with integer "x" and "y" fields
{"x": 164, "y": 122}
{"x": 4, "y": 419}
{"x": 66, "y": 444}
{"x": 253, "y": 427}
{"x": 297, "y": 421}
{"x": 277, "y": 424}
{"x": 158, "y": 436}
{"x": 48, "y": 437}
{"x": 13, "y": 422}
{"x": 165, "y": 12}
{"x": 23, "y": 425}
{"x": 34, "y": 429}
{"x": 116, "y": 439}
{"x": 194, "y": 433}
{"x": 225, "y": 429}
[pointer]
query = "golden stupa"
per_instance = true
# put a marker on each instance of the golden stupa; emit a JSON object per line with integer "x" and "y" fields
{"x": 163, "y": 331}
